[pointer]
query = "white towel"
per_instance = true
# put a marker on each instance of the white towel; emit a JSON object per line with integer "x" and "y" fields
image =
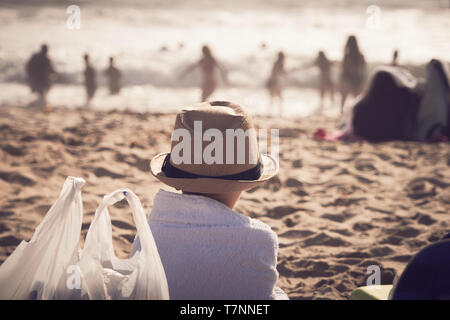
{"x": 211, "y": 252}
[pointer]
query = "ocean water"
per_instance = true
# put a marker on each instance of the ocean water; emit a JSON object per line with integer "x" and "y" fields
{"x": 154, "y": 40}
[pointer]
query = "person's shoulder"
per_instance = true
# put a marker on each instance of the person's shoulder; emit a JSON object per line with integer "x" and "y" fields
{"x": 262, "y": 231}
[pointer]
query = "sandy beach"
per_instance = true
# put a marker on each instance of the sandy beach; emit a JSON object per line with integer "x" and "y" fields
{"x": 336, "y": 207}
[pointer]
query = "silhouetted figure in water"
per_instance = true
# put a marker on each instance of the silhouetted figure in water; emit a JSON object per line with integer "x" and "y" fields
{"x": 273, "y": 84}
{"x": 353, "y": 72}
{"x": 208, "y": 65}
{"x": 394, "y": 62}
{"x": 41, "y": 74}
{"x": 325, "y": 82}
{"x": 114, "y": 77}
{"x": 90, "y": 80}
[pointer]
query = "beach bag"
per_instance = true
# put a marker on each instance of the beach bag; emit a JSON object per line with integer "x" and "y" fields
{"x": 388, "y": 109}
{"x": 37, "y": 269}
{"x": 107, "y": 277}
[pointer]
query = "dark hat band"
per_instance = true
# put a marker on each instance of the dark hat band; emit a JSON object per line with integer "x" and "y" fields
{"x": 171, "y": 172}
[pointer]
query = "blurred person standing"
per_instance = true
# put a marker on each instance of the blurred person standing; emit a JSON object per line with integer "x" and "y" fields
{"x": 273, "y": 84}
{"x": 90, "y": 80}
{"x": 41, "y": 75}
{"x": 114, "y": 77}
{"x": 208, "y": 65}
{"x": 394, "y": 62}
{"x": 325, "y": 82}
{"x": 353, "y": 73}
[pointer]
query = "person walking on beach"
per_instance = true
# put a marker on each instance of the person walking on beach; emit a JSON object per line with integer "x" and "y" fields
{"x": 208, "y": 65}
{"x": 114, "y": 77}
{"x": 209, "y": 250}
{"x": 41, "y": 74}
{"x": 90, "y": 81}
{"x": 273, "y": 84}
{"x": 353, "y": 71}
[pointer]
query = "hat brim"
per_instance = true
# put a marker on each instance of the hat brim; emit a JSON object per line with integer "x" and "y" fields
{"x": 213, "y": 185}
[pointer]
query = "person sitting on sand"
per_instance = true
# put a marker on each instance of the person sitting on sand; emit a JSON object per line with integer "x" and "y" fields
{"x": 208, "y": 65}
{"x": 114, "y": 77}
{"x": 273, "y": 84}
{"x": 353, "y": 72}
{"x": 41, "y": 74}
{"x": 90, "y": 81}
{"x": 208, "y": 250}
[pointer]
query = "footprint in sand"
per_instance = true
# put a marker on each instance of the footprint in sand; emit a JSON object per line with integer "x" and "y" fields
{"x": 401, "y": 258}
{"x": 322, "y": 239}
{"x": 381, "y": 251}
{"x": 365, "y": 165}
{"x": 9, "y": 241}
{"x": 383, "y": 156}
{"x": 422, "y": 187}
{"x": 305, "y": 268}
{"x": 353, "y": 254}
{"x": 362, "y": 226}
{"x": 134, "y": 161}
{"x": 297, "y": 163}
{"x": 293, "y": 183}
{"x": 343, "y": 232}
{"x": 17, "y": 178}
{"x": 102, "y": 172}
{"x": 349, "y": 261}
{"x": 392, "y": 240}
{"x": 425, "y": 219}
{"x": 42, "y": 209}
{"x": 43, "y": 172}
{"x": 13, "y": 150}
{"x": 281, "y": 211}
{"x": 338, "y": 217}
{"x": 27, "y": 200}
{"x": 3, "y": 228}
{"x": 403, "y": 232}
{"x": 437, "y": 235}
{"x": 296, "y": 234}
{"x": 296, "y": 186}
{"x": 288, "y": 222}
{"x": 6, "y": 213}
{"x": 343, "y": 201}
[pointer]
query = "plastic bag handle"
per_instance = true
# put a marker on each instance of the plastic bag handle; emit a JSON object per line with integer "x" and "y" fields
{"x": 148, "y": 245}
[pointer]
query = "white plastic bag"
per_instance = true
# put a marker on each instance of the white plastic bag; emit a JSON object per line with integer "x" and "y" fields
{"x": 37, "y": 269}
{"x": 52, "y": 266}
{"x": 107, "y": 277}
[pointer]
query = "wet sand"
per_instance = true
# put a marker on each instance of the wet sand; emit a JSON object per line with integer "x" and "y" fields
{"x": 337, "y": 207}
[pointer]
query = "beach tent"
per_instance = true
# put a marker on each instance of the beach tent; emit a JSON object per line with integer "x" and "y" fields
{"x": 389, "y": 107}
{"x": 424, "y": 278}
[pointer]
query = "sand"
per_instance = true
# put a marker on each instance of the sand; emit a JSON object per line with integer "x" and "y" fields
{"x": 336, "y": 207}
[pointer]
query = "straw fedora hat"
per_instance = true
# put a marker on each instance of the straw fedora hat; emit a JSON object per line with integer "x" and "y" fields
{"x": 232, "y": 166}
